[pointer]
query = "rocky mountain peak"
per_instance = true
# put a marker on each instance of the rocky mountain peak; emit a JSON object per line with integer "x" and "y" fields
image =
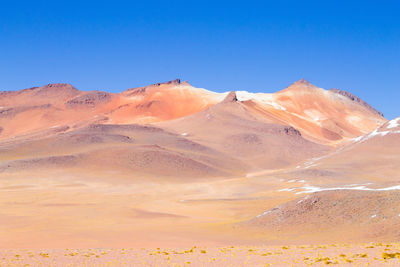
{"x": 231, "y": 97}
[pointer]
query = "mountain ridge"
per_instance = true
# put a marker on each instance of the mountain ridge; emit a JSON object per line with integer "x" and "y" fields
{"x": 320, "y": 115}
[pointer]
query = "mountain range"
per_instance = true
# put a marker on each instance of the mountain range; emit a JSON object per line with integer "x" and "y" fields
{"x": 212, "y": 166}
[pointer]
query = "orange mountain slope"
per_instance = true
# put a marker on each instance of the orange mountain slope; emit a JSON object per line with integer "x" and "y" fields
{"x": 54, "y": 105}
{"x": 237, "y": 129}
{"x": 326, "y": 117}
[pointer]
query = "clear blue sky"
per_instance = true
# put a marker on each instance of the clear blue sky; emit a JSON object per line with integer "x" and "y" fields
{"x": 219, "y": 45}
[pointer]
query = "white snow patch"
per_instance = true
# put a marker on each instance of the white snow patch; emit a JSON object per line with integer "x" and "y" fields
{"x": 375, "y": 132}
{"x": 357, "y": 139}
{"x": 313, "y": 189}
{"x": 396, "y": 187}
{"x": 287, "y": 189}
{"x": 309, "y": 166}
{"x": 304, "y": 198}
{"x": 393, "y": 123}
{"x": 260, "y": 97}
{"x": 244, "y": 95}
{"x": 313, "y": 160}
{"x": 263, "y": 214}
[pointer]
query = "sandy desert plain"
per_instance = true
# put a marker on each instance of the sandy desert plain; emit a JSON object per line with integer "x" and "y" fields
{"x": 173, "y": 175}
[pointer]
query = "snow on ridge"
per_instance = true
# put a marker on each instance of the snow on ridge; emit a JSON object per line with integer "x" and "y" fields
{"x": 312, "y": 162}
{"x": 390, "y": 125}
{"x": 263, "y": 214}
{"x": 357, "y": 139}
{"x": 287, "y": 189}
{"x": 307, "y": 189}
{"x": 393, "y": 123}
{"x": 261, "y": 97}
{"x": 313, "y": 189}
{"x": 376, "y": 132}
{"x": 244, "y": 95}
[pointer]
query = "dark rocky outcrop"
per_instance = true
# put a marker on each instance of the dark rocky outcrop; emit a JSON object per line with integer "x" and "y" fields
{"x": 89, "y": 99}
{"x": 231, "y": 97}
{"x": 356, "y": 99}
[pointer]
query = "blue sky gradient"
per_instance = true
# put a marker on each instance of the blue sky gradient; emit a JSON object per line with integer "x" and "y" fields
{"x": 260, "y": 46}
